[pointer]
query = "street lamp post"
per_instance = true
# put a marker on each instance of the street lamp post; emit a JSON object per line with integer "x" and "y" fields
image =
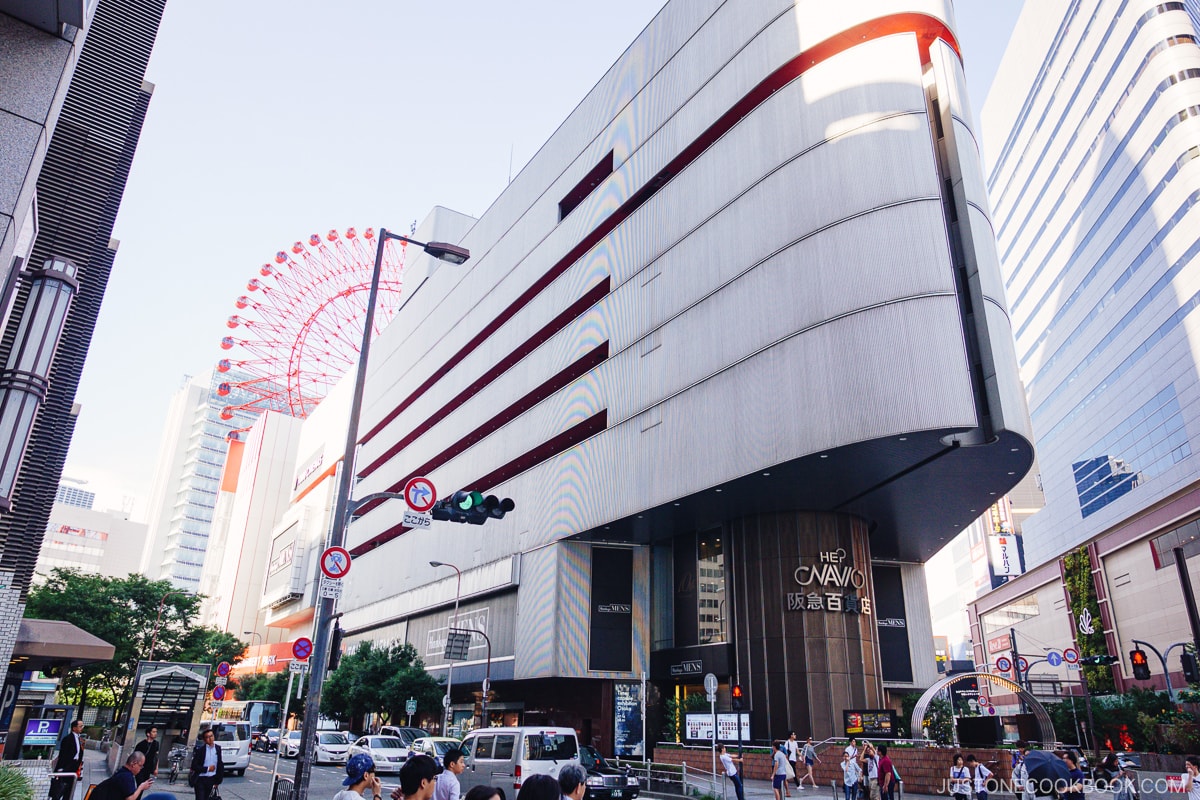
{"x": 337, "y": 529}
{"x": 258, "y": 657}
{"x": 449, "y": 630}
{"x": 158, "y": 621}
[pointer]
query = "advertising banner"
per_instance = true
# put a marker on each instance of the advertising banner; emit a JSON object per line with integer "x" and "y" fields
{"x": 891, "y": 618}
{"x": 627, "y": 720}
{"x": 699, "y": 726}
{"x": 1003, "y": 550}
{"x": 612, "y": 610}
{"x": 872, "y": 724}
{"x": 42, "y": 732}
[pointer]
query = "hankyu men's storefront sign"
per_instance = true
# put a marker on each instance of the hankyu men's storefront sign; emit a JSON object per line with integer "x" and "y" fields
{"x": 833, "y": 584}
{"x": 687, "y": 668}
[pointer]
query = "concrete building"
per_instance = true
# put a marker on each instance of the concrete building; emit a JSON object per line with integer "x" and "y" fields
{"x": 734, "y": 336}
{"x": 238, "y": 545}
{"x": 101, "y": 542}
{"x": 71, "y": 108}
{"x": 1092, "y": 132}
{"x": 187, "y": 478}
{"x": 71, "y": 496}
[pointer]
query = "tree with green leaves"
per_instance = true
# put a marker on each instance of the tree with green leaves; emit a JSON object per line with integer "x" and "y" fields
{"x": 123, "y": 612}
{"x": 379, "y": 679}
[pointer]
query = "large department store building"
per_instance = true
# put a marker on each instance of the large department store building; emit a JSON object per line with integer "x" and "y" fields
{"x": 1092, "y": 130}
{"x": 735, "y": 342}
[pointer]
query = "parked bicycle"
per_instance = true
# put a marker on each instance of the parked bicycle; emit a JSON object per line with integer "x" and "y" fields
{"x": 175, "y": 758}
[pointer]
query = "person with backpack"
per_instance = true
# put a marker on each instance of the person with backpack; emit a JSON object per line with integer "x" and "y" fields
{"x": 960, "y": 779}
{"x": 982, "y": 774}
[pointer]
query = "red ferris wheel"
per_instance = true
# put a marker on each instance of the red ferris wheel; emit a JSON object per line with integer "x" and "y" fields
{"x": 299, "y": 326}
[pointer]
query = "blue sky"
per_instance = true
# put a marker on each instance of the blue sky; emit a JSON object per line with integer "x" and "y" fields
{"x": 272, "y": 120}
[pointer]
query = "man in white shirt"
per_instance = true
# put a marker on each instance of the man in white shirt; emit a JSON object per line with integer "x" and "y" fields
{"x": 207, "y": 767}
{"x": 731, "y": 771}
{"x": 453, "y": 764}
{"x": 792, "y": 749}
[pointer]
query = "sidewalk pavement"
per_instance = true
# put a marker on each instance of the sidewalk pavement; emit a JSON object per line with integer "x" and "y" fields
{"x": 761, "y": 790}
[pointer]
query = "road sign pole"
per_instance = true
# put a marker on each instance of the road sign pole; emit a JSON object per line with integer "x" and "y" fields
{"x": 287, "y": 699}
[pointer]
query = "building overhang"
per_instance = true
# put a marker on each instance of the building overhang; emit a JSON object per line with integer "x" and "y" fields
{"x": 916, "y": 492}
{"x": 49, "y": 15}
{"x": 44, "y": 644}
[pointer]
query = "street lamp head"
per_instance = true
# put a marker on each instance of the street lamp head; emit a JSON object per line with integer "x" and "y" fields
{"x": 450, "y": 253}
{"x": 436, "y": 564}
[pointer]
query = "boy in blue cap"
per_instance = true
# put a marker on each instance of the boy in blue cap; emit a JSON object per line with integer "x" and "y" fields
{"x": 360, "y": 776}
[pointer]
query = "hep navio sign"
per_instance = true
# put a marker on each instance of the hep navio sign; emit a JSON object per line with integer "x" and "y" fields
{"x": 834, "y": 584}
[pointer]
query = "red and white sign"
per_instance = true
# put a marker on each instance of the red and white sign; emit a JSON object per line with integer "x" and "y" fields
{"x": 998, "y": 644}
{"x": 1071, "y": 655}
{"x": 420, "y": 494}
{"x": 302, "y": 648}
{"x": 223, "y": 668}
{"x": 335, "y": 563}
{"x": 1175, "y": 783}
{"x": 983, "y": 700}
{"x": 1003, "y": 664}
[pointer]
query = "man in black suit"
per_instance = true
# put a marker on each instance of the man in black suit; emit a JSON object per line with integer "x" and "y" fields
{"x": 207, "y": 767}
{"x": 70, "y": 759}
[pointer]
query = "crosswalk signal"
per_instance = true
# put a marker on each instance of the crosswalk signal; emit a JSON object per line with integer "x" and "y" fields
{"x": 473, "y": 507}
{"x": 736, "y": 692}
{"x": 1191, "y": 671}
{"x": 1141, "y": 666}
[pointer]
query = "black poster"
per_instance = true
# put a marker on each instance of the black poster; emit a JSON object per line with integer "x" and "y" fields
{"x": 612, "y": 610}
{"x": 892, "y": 620}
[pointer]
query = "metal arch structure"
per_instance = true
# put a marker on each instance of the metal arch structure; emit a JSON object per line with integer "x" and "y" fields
{"x": 1039, "y": 711}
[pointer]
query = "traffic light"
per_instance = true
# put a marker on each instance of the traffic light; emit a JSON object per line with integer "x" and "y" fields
{"x": 1098, "y": 661}
{"x": 472, "y": 507}
{"x": 736, "y": 692}
{"x": 1191, "y": 671}
{"x": 1141, "y": 667}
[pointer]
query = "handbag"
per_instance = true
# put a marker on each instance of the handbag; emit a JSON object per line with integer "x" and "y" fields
{"x": 791, "y": 773}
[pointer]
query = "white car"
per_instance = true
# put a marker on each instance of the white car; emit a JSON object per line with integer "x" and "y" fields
{"x": 332, "y": 748}
{"x": 387, "y": 752}
{"x": 289, "y": 745}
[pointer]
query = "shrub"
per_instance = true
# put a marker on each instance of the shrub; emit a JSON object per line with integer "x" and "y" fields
{"x": 14, "y": 784}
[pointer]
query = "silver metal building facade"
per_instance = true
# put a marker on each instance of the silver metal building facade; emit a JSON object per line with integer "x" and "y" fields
{"x": 735, "y": 342}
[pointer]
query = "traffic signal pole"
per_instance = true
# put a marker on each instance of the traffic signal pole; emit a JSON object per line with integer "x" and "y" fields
{"x": 1189, "y": 597}
{"x": 323, "y": 617}
{"x": 1162, "y": 657}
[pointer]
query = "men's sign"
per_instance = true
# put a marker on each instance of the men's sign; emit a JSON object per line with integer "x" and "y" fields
{"x": 839, "y": 581}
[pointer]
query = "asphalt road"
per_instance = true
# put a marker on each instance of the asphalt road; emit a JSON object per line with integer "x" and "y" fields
{"x": 256, "y": 784}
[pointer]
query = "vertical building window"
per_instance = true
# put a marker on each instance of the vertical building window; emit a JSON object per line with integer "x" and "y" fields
{"x": 712, "y": 609}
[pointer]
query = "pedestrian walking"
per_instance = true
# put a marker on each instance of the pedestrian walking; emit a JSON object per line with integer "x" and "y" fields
{"x": 887, "y": 774}
{"x": 851, "y": 774}
{"x": 149, "y": 748}
{"x": 731, "y": 771}
{"x": 361, "y": 782}
{"x": 453, "y": 764}
{"x": 1077, "y": 786}
{"x": 572, "y": 782}
{"x": 207, "y": 769}
{"x": 982, "y": 774}
{"x": 792, "y": 750}
{"x": 779, "y": 763}
{"x": 809, "y": 754}
{"x": 70, "y": 759}
{"x": 1191, "y": 779}
{"x": 852, "y": 748}
{"x": 418, "y": 779}
{"x": 960, "y": 779}
{"x": 870, "y": 767}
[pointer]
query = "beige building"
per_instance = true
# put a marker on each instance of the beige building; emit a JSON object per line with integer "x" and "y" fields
{"x": 100, "y": 542}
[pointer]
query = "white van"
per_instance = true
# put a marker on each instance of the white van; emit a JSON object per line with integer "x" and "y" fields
{"x": 234, "y": 740}
{"x": 505, "y": 757}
